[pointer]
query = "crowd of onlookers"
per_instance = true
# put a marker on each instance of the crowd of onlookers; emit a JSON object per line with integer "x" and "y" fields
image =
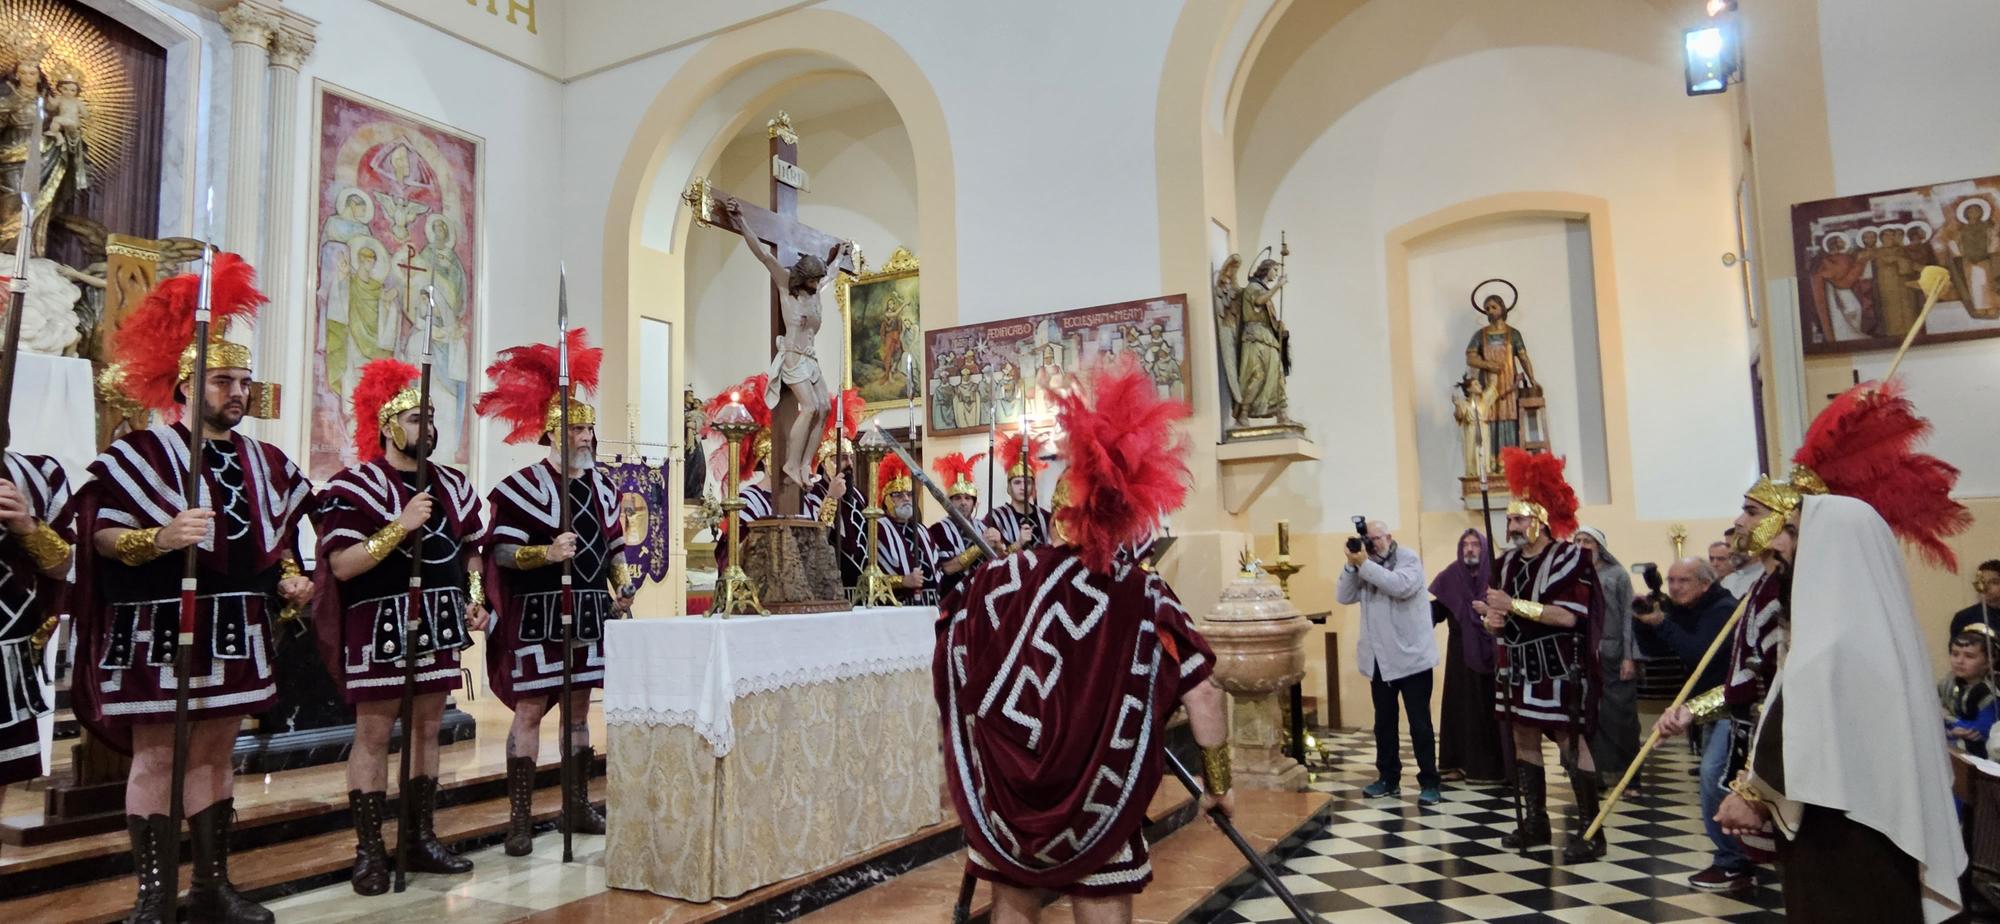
{"x": 1660, "y": 630}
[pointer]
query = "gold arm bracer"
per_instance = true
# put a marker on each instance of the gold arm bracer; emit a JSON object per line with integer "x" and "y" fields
{"x": 1529, "y": 610}
{"x": 1708, "y": 706}
{"x": 530, "y": 557}
{"x": 288, "y": 568}
{"x": 970, "y": 555}
{"x": 1215, "y": 769}
{"x": 475, "y": 589}
{"x": 139, "y": 546}
{"x": 45, "y": 546}
{"x": 621, "y": 579}
{"x": 384, "y": 542}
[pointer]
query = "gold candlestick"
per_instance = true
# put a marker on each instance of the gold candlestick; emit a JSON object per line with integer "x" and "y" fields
{"x": 1679, "y": 534}
{"x": 876, "y": 587}
{"x": 734, "y": 591}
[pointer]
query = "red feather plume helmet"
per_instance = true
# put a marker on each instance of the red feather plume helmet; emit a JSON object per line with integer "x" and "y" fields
{"x": 386, "y": 389}
{"x": 954, "y": 469}
{"x": 524, "y": 392}
{"x": 1021, "y": 453}
{"x": 1864, "y": 446}
{"x": 1539, "y": 489}
{"x": 153, "y": 349}
{"x": 892, "y": 476}
{"x": 1126, "y": 462}
{"x": 750, "y": 394}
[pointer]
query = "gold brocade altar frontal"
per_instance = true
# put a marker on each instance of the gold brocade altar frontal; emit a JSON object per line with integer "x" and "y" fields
{"x": 787, "y": 777}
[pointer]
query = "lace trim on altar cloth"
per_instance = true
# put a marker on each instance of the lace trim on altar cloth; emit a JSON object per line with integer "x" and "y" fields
{"x": 720, "y": 735}
{"x": 826, "y": 673}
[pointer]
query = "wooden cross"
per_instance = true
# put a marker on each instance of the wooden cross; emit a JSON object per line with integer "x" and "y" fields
{"x": 779, "y": 227}
{"x": 410, "y": 267}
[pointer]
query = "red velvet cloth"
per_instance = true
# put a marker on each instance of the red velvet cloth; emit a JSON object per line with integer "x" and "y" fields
{"x": 1054, "y": 685}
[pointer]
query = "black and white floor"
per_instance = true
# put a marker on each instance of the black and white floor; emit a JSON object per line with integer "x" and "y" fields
{"x": 1390, "y": 860}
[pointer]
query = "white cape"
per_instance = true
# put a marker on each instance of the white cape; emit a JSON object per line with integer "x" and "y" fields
{"x": 1861, "y": 732}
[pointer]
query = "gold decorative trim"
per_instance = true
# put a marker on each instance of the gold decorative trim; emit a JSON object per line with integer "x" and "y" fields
{"x": 902, "y": 265}
{"x": 700, "y": 198}
{"x": 781, "y": 128}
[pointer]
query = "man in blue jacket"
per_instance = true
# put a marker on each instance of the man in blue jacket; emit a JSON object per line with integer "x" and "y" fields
{"x": 1397, "y": 653}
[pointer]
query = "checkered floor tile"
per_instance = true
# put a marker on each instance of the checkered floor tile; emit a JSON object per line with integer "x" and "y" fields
{"x": 1390, "y": 860}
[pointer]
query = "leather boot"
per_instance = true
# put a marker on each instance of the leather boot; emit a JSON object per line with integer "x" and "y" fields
{"x": 584, "y": 818}
{"x": 520, "y": 806}
{"x": 1531, "y": 786}
{"x": 149, "y": 835}
{"x": 211, "y": 897}
{"x": 371, "y": 858}
{"x": 1576, "y": 849}
{"x": 427, "y": 853}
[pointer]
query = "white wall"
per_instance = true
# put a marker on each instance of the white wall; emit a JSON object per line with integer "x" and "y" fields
{"x": 1538, "y": 255}
{"x": 1522, "y": 117}
{"x": 1909, "y": 102}
{"x": 377, "y": 52}
{"x": 863, "y": 187}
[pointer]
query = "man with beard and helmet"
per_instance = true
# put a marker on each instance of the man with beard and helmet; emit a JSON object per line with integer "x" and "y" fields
{"x": 1844, "y": 760}
{"x": 133, "y": 524}
{"x": 903, "y": 547}
{"x": 366, "y": 514}
{"x": 955, "y": 553}
{"x": 1546, "y": 611}
{"x": 1053, "y": 738}
{"x": 525, "y": 547}
{"x": 1021, "y": 522}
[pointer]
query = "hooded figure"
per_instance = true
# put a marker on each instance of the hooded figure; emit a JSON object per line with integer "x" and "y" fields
{"x": 1469, "y": 737}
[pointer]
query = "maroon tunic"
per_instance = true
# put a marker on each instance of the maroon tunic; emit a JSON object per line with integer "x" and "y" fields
{"x": 27, "y": 597}
{"x": 126, "y": 616}
{"x": 1054, "y": 685}
{"x": 1549, "y": 674}
{"x": 359, "y": 622}
{"x": 524, "y": 647}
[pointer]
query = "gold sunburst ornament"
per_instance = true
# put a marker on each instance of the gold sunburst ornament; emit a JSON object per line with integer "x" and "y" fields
{"x": 62, "y": 47}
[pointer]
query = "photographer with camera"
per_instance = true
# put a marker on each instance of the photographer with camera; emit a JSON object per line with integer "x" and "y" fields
{"x": 1688, "y": 621}
{"x": 1397, "y": 652}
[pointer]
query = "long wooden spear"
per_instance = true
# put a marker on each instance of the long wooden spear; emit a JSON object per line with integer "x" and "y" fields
{"x": 406, "y": 809}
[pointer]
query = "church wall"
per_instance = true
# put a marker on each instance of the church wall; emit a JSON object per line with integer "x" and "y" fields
{"x": 518, "y": 112}
{"x": 1362, "y": 134}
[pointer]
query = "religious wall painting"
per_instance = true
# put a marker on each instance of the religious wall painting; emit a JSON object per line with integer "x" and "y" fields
{"x": 396, "y": 209}
{"x": 1858, "y": 259}
{"x": 883, "y": 315}
{"x": 1000, "y": 371}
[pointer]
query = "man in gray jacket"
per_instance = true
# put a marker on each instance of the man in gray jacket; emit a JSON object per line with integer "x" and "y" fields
{"x": 1396, "y": 653}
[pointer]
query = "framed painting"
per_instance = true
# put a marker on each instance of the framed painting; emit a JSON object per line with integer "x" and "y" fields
{"x": 978, "y": 372}
{"x": 396, "y": 204}
{"x": 883, "y": 314}
{"x": 1859, "y": 257}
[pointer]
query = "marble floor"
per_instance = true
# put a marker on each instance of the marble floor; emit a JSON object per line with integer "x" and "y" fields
{"x": 1384, "y": 860}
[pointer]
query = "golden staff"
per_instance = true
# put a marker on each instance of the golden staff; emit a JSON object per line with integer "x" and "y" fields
{"x": 1932, "y": 280}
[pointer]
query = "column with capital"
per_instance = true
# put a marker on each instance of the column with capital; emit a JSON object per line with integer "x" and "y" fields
{"x": 250, "y": 27}
{"x": 291, "y": 44}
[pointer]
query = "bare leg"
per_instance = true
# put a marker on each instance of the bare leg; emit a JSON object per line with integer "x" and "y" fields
{"x": 1528, "y": 744}
{"x": 146, "y": 790}
{"x": 524, "y": 739}
{"x": 1107, "y": 909}
{"x": 368, "y": 761}
{"x": 429, "y": 712}
{"x": 801, "y": 442}
{"x": 579, "y": 715}
{"x": 209, "y": 776}
{"x": 1013, "y": 905}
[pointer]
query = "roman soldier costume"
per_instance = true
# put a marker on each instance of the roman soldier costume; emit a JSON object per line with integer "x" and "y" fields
{"x": 954, "y": 471}
{"x": 1021, "y": 454}
{"x": 33, "y": 569}
{"x": 524, "y": 649}
{"x": 129, "y": 602}
{"x": 1053, "y": 738}
{"x": 901, "y": 546}
{"x": 360, "y": 623}
{"x": 1549, "y": 671}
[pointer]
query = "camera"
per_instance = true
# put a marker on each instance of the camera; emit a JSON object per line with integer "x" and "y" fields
{"x": 1360, "y": 540}
{"x": 1646, "y": 603}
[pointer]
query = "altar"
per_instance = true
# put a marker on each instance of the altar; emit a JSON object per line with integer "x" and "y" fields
{"x": 750, "y": 750}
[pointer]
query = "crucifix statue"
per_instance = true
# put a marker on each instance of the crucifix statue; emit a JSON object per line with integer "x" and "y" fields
{"x": 802, "y": 262}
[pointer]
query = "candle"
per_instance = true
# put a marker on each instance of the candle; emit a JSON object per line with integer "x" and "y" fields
{"x": 1284, "y": 538}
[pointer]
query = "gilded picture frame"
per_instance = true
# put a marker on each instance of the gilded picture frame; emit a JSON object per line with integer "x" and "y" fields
{"x": 882, "y": 318}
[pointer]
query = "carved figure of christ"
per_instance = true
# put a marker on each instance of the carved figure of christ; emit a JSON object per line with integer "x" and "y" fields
{"x": 797, "y": 391}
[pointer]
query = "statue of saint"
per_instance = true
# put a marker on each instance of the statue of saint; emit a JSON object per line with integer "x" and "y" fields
{"x": 1260, "y": 351}
{"x": 1471, "y": 409}
{"x": 20, "y": 126}
{"x": 1498, "y": 357}
{"x": 1228, "y": 294}
{"x": 795, "y": 370}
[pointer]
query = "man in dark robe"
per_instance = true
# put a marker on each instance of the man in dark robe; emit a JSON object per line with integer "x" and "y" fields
{"x": 36, "y": 540}
{"x": 525, "y": 553}
{"x": 1469, "y": 736}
